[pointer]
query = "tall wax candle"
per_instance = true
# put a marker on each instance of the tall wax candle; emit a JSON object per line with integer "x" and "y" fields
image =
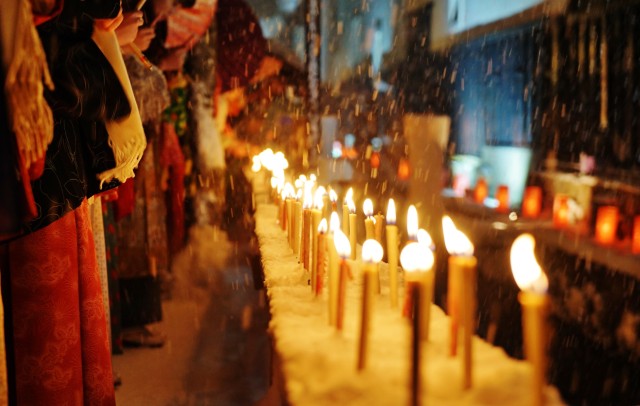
{"x": 297, "y": 225}
{"x": 353, "y": 228}
{"x": 332, "y": 279}
{"x": 392, "y": 252}
{"x": 289, "y": 208}
{"x": 316, "y": 216}
{"x": 372, "y": 253}
{"x": 378, "y": 226}
{"x": 321, "y": 257}
{"x": 348, "y": 199}
{"x": 535, "y": 306}
{"x": 343, "y": 248}
{"x": 367, "y": 209}
{"x": 306, "y": 227}
{"x": 282, "y": 212}
{"x": 462, "y": 270}
{"x": 417, "y": 261}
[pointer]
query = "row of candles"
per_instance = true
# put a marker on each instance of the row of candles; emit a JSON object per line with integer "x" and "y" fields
{"x": 607, "y": 217}
{"x": 321, "y": 244}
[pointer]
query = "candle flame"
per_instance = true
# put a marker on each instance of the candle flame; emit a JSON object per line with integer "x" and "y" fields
{"x": 367, "y": 207}
{"x": 524, "y": 266}
{"x": 455, "y": 240}
{"x": 307, "y": 201}
{"x": 299, "y": 194}
{"x": 298, "y": 183}
{"x": 256, "y": 166}
{"x": 322, "y": 227}
{"x": 372, "y": 251}
{"x": 312, "y": 177}
{"x": 416, "y": 256}
{"x": 333, "y": 196}
{"x": 318, "y": 203}
{"x": 412, "y": 223}
{"x": 425, "y": 238}
{"x": 334, "y": 222}
{"x": 288, "y": 191}
{"x": 274, "y": 182}
{"x": 352, "y": 206}
{"x": 343, "y": 246}
{"x": 391, "y": 212}
{"x": 349, "y": 196}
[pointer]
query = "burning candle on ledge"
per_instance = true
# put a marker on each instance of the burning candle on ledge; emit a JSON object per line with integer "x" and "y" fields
{"x": 502, "y": 196}
{"x": 332, "y": 280}
{"x": 532, "y": 202}
{"x": 333, "y": 198}
{"x": 606, "y": 224}
{"x": 481, "y": 190}
{"x": 561, "y": 211}
{"x": 353, "y": 227}
{"x": 287, "y": 216}
{"x": 372, "y": 253}
{"x": 343, "y": 248}
{"x": 307, "y": 203}
{"x": 417, "y": 261}
{"x": 392, "y": 252}
{"x": 316, "y": 216}
{"x": 297, "y": 224}
{"x": 321, "y": 254}
{"x": 367, "y": 209}
{"x": 412, "y": 223}
{"x": 378, "y": 221}
{"x": 461, "y": 297}
{"x": 345, "y": 211}
{"x": 533, "y": 284}
{"x": 635, "y": 240}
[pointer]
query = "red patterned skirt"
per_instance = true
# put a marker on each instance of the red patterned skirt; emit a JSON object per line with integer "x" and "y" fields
{"x": 61, "y": 351}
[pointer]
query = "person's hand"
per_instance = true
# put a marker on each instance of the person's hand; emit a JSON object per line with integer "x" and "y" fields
{"x": 109, "y": 24}
{"x": 128, "y": 29}
{"x": 174, "y": 60}
{"x": 144, "y": 37}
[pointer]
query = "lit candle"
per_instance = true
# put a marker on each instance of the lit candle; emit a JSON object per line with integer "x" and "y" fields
{"x": 606, "y": 224}
{"x": 560, "y": 211}
{"x": 343, "y": 248}
{"x": 635, "y": 242}
{"x": 316, "y": 216}
{"x": 289, "y": 193}
{"x": 307, "y": 203}
{"x": 378, "y": 225}
{"x": 532, "y": 202}
{"x": 481, "y": 191}
{"x": 392, "y": 252}
{"x": 533, "y": 284}
{"x": 461, "y": 292}
{"x": 367, "y": 209}
{"x": 502, "y": 195}
{"x": 417, "y": 261}
{"x": 345, "y": 211}
{"x": 326, "y": 204}
{"x": 333, "y": 197}
{"x": 297, "y": 224}
{"x": 371, "y": 255}
{"x": 412, "y": 223}
{"x": 334, "y": 225}
{"x": 320, "y": 259}
{"x": 353, "y": 228}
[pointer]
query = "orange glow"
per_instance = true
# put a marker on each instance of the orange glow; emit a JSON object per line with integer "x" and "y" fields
{"x": 404, "y": 169}
{"x": 561, "y": 211}
{"x": 502, "y": 195}
{"x": 526, "y": 270}
{"x": 635, "y": 243}
{"x": 375, "y": 160}
{"x": 607, "y": 224}
{"x": 481, "y": 191}
{"x": 455, "y": 240}
{"x": 532, "y": 202}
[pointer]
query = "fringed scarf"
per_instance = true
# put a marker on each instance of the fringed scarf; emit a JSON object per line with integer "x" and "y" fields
{"x": 29, "y": 114}
{"x": 126, "y": 136}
